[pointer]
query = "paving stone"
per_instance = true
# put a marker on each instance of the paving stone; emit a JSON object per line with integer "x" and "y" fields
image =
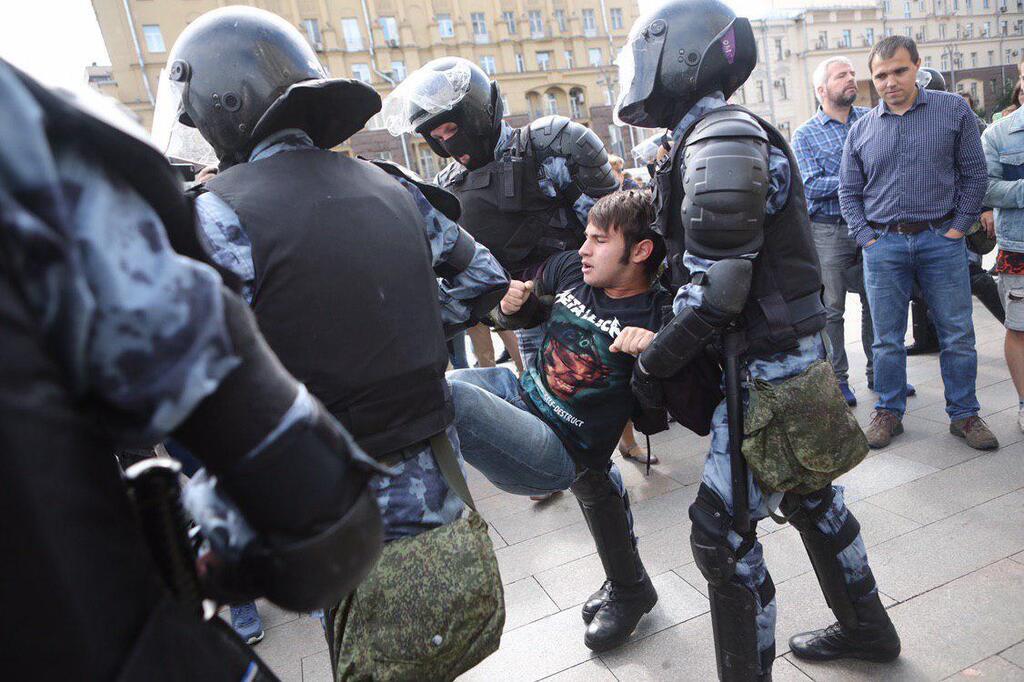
{"x": 496, "y": 540}
{"x": 588, "y": 671}
{"x": 993, "y": 398}
{"x": 535, "y": 651}
{"x": 525, "y": 602}
{"x": 934, "y": 645}
{"x": 683, "y": 652}
{"x": 317, "y": 667}
{"x": 541, "y": 553}
{"x": 642, "y": 486}
{"x": 935, "y": 554}
{"x": 944, "y": 493}
{"x": 287, "y": 644}
{"x": 1019, "y": 558}
{"x": 992, "y": 668}
{"x": 479, "y": 487}
{"x": 539, "y": 518}
{"x": 879, "y": 473}
{"x": 1015, "y": 654}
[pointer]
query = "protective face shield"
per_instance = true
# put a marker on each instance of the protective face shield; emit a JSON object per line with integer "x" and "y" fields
{"x": 638, "y": 72}
{"x": 646, "y": 152}
{"x": 930, "y": 79}
{"x": 448, "y": 90}
{"x": 178, "y": 142}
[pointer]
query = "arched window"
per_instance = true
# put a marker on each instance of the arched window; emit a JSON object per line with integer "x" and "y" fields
{"x": 551, "y": 103}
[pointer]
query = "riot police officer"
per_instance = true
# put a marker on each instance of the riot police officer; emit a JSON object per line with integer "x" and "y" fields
{"x": 339, "y": 257}
{"x": 733, "y": 215}
{"x": 525, "y": 192}
{"x": 110, "y": 340}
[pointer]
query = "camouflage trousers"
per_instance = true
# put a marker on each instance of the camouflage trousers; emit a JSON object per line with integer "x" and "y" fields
{"x": 751, "y": 570}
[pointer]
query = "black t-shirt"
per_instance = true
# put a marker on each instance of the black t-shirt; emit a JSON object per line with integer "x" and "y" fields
{"x": 576, "y": 384}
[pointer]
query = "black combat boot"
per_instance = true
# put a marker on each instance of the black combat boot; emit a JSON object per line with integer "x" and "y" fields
{"x": 873, "y": 639}
{"x": 926, "y": 340}
{"x": 613, "y": 612}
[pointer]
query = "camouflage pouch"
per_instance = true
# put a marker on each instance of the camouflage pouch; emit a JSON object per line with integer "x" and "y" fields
{"x": 431, "y": 609}
{"x": 799, "y": 433}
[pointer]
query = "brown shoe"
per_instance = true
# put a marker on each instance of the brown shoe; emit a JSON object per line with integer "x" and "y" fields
{"x": 975, "y": 432}
{"x": 883, "y": 427}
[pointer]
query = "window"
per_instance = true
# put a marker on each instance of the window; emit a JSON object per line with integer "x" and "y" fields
{"x": 154, "y": 38}
{"x": 986, "y": 30}
{"x": 311, "y": 27}
{"x": 991, "y": 57}
{"x": 570, "y": 61}
{"x": 888, "y": 31}
{"x": 428, "y": 164}
{"x": 974, "y": 91}
{"x": 361, "y": 72}
{"x": 869, "y": 36}
{"x": 822, "y": 40}
{"x": 942, "y": 31}
{"x": 908, "y": 31}
{"x": 551, "y": 104}
{"x": 398, "y": 72}
{"x": 594, "y": 56}
{"x": 353, "y": 38}
{"x": 520, "y": 63}
{"x": 906, "y": 9}
{"x": 783, "y": 93}
{"x": 589, "y": 23}
{"x": 509, "y": 18}
{"x": 479, "y": 27}
{"x": 778, "y": 48}
{"x": 536, "y": 24}
{"x": 956, "y": 5}
{"x": 887, "y": 6}
{"x": 576, "y": 103}
{"x": 974, "y": 59}
{"x": 985, "y": 3}
{"x": 760, "y": 91}
{"x": 1002, "y": 27}
{"x": 847, "y": 38}
{"x": 504, "y": 106}
{"x": 616, "y": 15}
{"x": 945, "y": 62}
{"x": 615, "y": 139}
{"x": 445, "y": 29}
{"x": 389, "y": 28}
{"x": 928, "y": 61}
{"x": 969, "y": 4}
{"x": 487, "y": 64}
{"x": 384, "y": 156}
{"x": 560, "y": 20}
{"x": 544, "y": 61}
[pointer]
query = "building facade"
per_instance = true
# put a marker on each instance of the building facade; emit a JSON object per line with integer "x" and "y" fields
{"x": 555, "y": 56}
{"x": 549, "y": 56}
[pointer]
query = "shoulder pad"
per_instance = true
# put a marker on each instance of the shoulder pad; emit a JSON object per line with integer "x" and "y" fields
{"x": 578, "y": 144}
{"x": 441, "y": 199}
{"x": 727, "y": 123}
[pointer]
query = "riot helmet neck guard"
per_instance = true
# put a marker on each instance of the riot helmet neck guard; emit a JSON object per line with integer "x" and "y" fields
{"x": 449, "y": 90}
{"x": 678, "y": 53}
{"x": 241, "y": 74}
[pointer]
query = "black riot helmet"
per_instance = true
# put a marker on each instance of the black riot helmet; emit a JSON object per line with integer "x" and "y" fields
{"x": 930, "y": 79}
{"x": 243, "y": 73}
{"x": 448, "y": 90}
{"x": 678, "y": 53}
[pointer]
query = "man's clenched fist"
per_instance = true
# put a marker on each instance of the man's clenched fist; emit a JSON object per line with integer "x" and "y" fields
{"x": 632, "y": 340}
{"x": 516, "y": 296}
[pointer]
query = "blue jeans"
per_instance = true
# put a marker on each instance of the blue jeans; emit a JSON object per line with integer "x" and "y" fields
{"x": 510, "y": 445}
{"x": 939, "y": 266}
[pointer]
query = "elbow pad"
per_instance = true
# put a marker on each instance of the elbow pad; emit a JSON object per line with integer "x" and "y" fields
{"x": 460, "y": 256}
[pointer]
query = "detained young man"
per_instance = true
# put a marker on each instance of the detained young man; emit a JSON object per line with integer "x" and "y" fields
{"x": 557, "y": 426}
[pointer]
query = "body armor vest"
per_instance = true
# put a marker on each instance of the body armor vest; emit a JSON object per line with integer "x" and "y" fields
{"x": 785, "y": 296}
{"x": 505, "y": 210}
{"x": 344, "y": 291}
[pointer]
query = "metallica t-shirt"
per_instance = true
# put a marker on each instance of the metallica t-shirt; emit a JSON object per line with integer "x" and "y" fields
{"x": 576, "y": 384}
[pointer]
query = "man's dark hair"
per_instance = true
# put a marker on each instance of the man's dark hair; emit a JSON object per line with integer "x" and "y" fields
{"x": 631, "y": 213}
{"x": 887, "y": 47}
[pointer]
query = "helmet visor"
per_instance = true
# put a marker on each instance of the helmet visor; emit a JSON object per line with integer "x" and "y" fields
{"x": 174, "y": 139}
{"x": 638, "y": 71}
{"x": 423, "y": 95}
{"x": 647, "y": 150}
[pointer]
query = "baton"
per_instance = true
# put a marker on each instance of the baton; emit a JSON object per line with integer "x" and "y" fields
{"x": 734, "y": 342}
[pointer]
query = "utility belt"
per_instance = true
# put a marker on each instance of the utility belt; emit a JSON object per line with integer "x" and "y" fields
{"x": 773, "y": 324}
{"x": 911, "y": 228}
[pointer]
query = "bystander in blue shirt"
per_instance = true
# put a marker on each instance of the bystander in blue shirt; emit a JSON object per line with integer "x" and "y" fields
{"x": 818, "y": 147}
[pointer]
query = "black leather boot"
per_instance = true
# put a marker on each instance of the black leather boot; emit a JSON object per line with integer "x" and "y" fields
{"x": 613, "y": 611}
{"x": 873, "y": 638}
{"x": 926, "y": 340}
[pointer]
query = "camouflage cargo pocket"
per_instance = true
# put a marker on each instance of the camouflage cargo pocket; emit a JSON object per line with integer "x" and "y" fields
{"x": 799, "y": 433}
{"x": 431, "y": 609}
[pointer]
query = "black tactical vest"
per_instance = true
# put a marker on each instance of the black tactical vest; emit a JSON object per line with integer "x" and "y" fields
{"x": 344, "y": 291}
{"x": 785, "y": 297}
{"x": 505, "y": 210}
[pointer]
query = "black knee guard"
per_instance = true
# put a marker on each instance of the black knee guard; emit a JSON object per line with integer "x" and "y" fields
{"x": 607, "y": 516}
{"x": 824, "y": 550}
{"x": 709, "y": 537}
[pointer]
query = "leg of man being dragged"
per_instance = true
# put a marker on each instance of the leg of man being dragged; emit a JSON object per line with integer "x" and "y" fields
{"x": 519, "y": 453}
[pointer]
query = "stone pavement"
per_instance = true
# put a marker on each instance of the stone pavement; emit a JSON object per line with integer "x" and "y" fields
{"x": 944, "y": 525}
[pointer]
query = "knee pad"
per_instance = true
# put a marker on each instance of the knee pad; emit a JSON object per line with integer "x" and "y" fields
{"x": 709, "y": 538}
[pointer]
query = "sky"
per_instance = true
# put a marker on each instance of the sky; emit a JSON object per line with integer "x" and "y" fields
{"x": 54, "y": 40}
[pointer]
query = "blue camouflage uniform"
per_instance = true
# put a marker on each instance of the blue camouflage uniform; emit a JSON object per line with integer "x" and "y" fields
{"x": 751, "y": 570}
{"x": 417, "y": 497}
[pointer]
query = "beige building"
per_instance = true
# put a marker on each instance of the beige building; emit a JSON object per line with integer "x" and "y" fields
{"x": 549, "y": 56}
{"x": 554, "y": 56}
{"x": 977, "y": 44}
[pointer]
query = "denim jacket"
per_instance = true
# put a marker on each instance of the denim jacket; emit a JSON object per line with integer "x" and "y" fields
{"x": 1003, "y": 143}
